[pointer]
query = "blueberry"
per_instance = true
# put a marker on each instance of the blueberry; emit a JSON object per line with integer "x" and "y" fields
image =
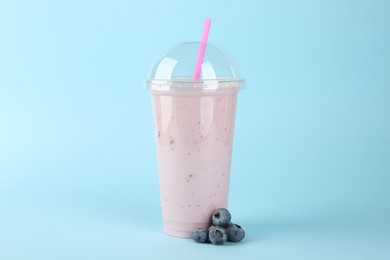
{"x": 200, "y": 235}
{"x": 217, "y": 235}
{"x": 235, "y": 232}
{"x": 221, "y": 217}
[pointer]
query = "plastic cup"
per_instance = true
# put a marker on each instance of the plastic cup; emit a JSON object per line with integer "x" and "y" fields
{"x": 194, "y": 127}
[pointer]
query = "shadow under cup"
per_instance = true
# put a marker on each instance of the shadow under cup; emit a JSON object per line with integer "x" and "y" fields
{"x": 194, "y": 131}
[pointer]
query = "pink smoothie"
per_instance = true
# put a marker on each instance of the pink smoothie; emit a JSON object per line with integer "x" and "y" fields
{"x": 194, "y": 135}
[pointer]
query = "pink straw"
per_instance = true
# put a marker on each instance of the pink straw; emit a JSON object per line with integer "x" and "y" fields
{"x": 202, "y": 49}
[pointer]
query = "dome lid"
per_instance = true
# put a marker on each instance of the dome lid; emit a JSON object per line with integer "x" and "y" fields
{"x": 175, "y": 69}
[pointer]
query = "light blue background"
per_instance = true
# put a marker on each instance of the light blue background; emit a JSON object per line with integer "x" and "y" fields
{"x": 310, "y": 175}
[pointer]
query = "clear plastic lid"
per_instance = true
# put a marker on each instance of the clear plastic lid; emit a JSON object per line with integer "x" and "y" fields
{"x": 175, "y": 68}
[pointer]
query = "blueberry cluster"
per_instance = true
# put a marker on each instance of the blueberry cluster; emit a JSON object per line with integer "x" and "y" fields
{"x": 221, "y": 231}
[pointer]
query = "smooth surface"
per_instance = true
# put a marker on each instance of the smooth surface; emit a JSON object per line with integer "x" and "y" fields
{"x": 311, "y": 158}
